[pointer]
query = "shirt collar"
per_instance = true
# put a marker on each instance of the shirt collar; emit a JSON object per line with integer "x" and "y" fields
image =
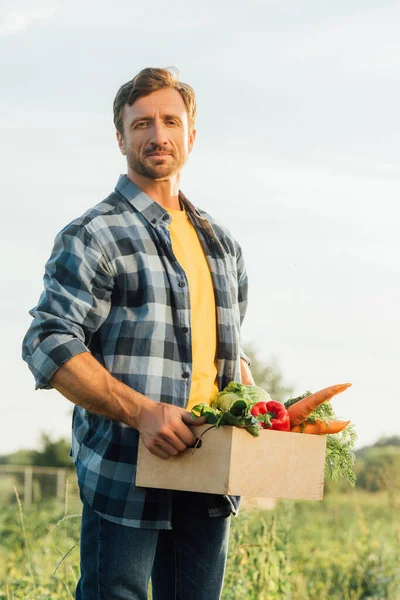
{"x": 153, "y": 212}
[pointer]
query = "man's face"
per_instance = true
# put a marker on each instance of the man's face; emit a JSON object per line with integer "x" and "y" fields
{"x": 156, "y": 139}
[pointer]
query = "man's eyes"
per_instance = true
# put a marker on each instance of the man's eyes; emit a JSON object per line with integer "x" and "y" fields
{"x": 169, "y": 122}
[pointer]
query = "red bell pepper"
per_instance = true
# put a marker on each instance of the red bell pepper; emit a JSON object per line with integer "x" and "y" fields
{"x": 271, "y": 415}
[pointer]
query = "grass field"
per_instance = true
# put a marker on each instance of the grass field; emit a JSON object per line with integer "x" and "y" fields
{"x": 344, "y": 548}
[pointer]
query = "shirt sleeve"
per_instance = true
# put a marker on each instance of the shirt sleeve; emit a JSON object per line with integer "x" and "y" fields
{"x": 78, "y": 282}
{"x": 242, "y": 293}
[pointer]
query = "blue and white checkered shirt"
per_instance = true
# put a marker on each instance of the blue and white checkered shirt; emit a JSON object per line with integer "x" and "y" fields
{"x": 113, "y": 287}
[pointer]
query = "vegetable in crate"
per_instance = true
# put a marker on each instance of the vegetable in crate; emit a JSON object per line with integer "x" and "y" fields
{"x": 232, "y": 407}
{"x": 271, "y": 415}
{"x": 339, "y": 456}
{"x": 319, "y": 427}
{"x": 235, "y": 391}
{"x": 300, "y": 410}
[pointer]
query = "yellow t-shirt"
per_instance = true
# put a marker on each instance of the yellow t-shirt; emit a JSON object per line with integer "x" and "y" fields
{"x": 188, "y": 250}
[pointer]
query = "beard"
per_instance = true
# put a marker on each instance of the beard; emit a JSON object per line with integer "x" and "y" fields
{"x": 156, "y": 169}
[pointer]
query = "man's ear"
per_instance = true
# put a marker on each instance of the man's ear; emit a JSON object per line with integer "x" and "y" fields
{"x": 192, "y": 137}
{"x": 121, "y": 142}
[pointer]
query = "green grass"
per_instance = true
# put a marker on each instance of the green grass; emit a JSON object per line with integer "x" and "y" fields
{"x": 344, "y": 548}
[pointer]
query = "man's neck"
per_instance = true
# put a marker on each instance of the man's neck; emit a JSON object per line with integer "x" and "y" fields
{"x": 165, "y": 193}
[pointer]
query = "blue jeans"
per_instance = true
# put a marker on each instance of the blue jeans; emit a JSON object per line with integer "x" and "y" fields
{"x": 185, "y": 563}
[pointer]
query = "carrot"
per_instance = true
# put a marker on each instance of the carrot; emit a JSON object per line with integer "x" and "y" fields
{"x": 302, "y": 409}
{"x": 320, "y": 427}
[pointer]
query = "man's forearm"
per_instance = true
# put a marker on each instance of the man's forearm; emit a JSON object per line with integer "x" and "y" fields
{"x": 85, "y": 382}
{"x": 247, "y": 377}
{"x": 164, "y": 428}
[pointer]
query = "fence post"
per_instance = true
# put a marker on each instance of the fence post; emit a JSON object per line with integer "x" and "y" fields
{"x": 60, "y": 485}
{"x": 28, "y": 486}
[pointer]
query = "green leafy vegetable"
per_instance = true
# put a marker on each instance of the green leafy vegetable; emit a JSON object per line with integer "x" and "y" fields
{"x": 224, "y": 400}
{"x": 256, "y": 394}
{"x": 340, "y": 458}
{"x": 203, "y": 410}
{"x": 240, "y": 408}
{"x": 232, "y": 407}
{"x": 235, "y": 391}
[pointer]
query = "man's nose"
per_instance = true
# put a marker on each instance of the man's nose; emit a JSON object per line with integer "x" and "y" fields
{"x": 159, "y": 136}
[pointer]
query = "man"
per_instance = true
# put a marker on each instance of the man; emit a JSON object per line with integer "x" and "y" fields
{"x": 140, "y": 320}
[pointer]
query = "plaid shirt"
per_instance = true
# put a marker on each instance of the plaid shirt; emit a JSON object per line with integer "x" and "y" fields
{"x": 113, "y": 287}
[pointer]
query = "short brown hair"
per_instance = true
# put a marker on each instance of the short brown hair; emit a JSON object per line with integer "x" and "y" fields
{"x": 150, "y": 80}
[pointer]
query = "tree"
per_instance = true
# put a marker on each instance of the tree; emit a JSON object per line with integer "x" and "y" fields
{"x": 53, "y": 453}
{"x": 393, "y": 440}
{"x": 379, "y": 469}
{"x": 19, "y": 457}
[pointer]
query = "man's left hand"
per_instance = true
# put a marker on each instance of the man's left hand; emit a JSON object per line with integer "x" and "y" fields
{"x": 247, "y": 377}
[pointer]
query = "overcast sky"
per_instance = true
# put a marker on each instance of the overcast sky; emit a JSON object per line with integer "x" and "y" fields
{"x": 297, "y": 152}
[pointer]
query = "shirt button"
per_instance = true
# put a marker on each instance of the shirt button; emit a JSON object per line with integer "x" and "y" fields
{"x": 154, "y": 221}
{"x": 185, "y": 375}
{"x": 166, "y": 218}
{"x": 181, "y": 284}
{"x": 185, "y": 329}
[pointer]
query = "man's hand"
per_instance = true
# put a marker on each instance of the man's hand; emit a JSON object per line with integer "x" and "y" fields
{"x": 164, "y": 428}
{"x": 247, "y": 377}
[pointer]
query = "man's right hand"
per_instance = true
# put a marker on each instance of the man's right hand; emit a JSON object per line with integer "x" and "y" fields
{"x": 164, "y": 428}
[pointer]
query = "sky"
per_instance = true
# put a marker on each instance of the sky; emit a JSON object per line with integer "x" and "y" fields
{"x": 297, "y": 153}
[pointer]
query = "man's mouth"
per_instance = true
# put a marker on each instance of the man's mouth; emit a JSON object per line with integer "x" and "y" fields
{"x": 158, "y": 154}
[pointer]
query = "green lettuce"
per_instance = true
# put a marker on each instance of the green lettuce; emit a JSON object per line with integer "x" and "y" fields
{"x": 238, "y": 391}
{"x": 232, "y": 407}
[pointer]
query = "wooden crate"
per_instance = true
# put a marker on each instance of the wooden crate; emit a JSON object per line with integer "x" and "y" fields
{"x": 231, "y": 461}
